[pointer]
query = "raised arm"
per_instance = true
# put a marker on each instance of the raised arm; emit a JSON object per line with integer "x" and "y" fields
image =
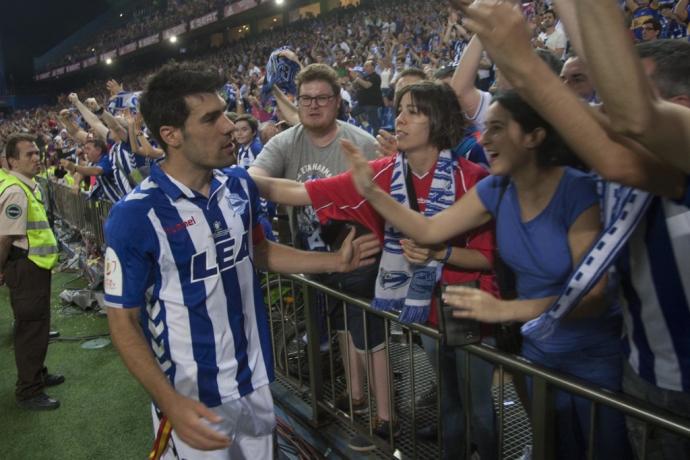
{"x": 634, "y": 108}
{"x": 568, "y": 15}
{"x": 465, "y": 76}
{"x": 627, "y": 163}
{"x": 288, "y": 110}
{"x": 99, "y": 128}
{"x": 466, "y": 214}
{"x": 71, "y": 126}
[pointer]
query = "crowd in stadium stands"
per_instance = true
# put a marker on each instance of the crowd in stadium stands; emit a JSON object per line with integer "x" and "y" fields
{"x": 138, "y": 22}
{"x": 537, "y": 138}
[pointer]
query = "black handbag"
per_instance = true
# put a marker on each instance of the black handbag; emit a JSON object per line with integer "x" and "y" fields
{"x": 508, "y": 336}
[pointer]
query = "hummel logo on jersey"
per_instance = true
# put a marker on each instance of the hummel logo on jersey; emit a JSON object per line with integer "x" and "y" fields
{"x": 180, "y": 226}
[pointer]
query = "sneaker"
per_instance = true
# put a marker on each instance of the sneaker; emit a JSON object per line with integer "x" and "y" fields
{"x": 51, "y": 380}
{"x": 39, "y": 402}
{"x": 359, "y": 406}
{"x": 382, "y": 428}
{"x": 359, "y": 443}
{"x": 427, "y": 399}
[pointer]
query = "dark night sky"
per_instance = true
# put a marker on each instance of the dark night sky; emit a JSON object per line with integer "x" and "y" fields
{"x": 29, "y": 28}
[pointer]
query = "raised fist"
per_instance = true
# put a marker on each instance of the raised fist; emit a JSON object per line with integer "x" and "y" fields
{"x": 92, "y": 104}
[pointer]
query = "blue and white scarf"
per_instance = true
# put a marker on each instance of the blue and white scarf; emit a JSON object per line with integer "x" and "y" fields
{"x": 124, "y": 100}
{"x": 401, "y": 286}
{"x": 281, "y": 72}
{"x": 623, "y": 208}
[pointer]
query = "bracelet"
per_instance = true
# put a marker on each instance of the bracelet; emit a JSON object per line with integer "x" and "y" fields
{"x": 449, "y": 251}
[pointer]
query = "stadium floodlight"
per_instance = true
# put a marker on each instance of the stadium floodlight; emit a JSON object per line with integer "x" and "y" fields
{"x": 108, "y": 61}
{"x": 173, "y": 39}
{"x": 280, "y": 2}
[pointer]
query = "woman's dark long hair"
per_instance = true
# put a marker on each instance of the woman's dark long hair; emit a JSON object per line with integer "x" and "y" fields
{"x": 438, "y": 102}
{"x": 553, "y": 151}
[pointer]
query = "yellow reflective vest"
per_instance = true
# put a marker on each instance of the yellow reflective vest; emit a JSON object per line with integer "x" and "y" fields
{"x": 43, "y": 247}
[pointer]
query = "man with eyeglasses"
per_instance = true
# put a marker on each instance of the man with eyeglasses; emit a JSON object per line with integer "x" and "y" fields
{"x": 651, "y": 30}
{"x": 311, "y": 150}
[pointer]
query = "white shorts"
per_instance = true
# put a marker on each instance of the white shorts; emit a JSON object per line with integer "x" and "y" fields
{"x": 243, "y": 447}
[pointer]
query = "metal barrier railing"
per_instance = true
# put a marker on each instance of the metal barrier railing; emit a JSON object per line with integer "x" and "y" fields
{"x": 541, "y": 405}
{"x": 81, "y": 214}
{"x": 297, "y": 326}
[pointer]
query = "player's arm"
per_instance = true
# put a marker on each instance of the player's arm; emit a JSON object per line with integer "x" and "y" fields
{"x": 660, "y": 126}
{"x": 354, "y": 253}
{"x": 186, "y": 415}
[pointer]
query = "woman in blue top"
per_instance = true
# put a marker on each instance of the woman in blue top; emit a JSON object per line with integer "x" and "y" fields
{"x": 547, "y": 218}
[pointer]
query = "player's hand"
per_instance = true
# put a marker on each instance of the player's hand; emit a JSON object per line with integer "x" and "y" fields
{"x": 73, "y": 98}
{"x": 420, "y": 254}
{"x": 190, "y": 418}
{"x": 358, "y": 252}
{"x": 472, "y": 303}
{"x": 362, "y": 175}
{"x": 387, "y": 144}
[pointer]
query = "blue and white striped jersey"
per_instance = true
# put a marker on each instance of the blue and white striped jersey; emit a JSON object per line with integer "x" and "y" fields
{"x": 655, "y": 285}
{"x": 111, "y": 185}
{"x": 187, "y": 261}
{"x": 247, "y": 153}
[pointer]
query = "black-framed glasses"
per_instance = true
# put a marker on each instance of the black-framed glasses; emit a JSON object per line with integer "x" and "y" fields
{"x": 321, "y": 100}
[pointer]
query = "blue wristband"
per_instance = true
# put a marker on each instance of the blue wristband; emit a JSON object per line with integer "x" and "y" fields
{"x": 449, "y": 251}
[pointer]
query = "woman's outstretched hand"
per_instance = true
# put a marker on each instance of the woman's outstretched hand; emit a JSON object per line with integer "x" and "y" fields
{"x": 362, "y": 174}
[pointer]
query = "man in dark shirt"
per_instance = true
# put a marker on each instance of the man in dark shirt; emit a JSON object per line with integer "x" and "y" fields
{"x": 369, "y": 98}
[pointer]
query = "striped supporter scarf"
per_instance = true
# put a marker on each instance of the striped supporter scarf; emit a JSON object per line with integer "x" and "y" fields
{"x": 623, "y": 208}
{"x": 401, "y": 286}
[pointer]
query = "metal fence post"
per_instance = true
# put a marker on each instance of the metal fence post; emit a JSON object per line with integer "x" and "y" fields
{"x": 313, "y": 353}
{"x": 543, "y": 420}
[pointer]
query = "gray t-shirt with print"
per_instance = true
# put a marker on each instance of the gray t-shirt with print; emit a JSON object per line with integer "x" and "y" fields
{"x": 292, "y": 155}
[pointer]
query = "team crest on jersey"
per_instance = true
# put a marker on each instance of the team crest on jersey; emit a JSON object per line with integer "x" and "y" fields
{"x": 238, "y": 203}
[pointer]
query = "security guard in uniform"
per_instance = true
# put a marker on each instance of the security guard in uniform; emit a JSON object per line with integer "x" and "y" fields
{"x": 28, "y": 252}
